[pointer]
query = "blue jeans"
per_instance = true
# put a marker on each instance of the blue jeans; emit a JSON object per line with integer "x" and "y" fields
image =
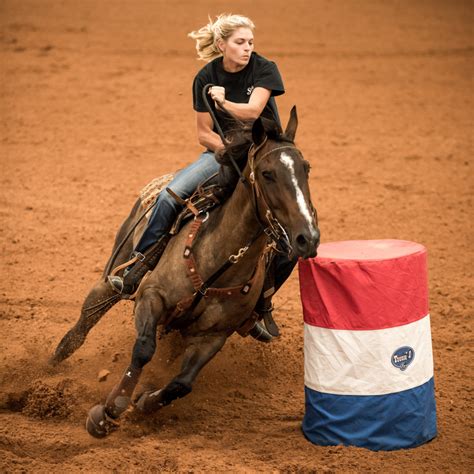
{"x": 166, "y": 209}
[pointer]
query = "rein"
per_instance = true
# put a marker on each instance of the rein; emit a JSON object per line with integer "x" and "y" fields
{"x": 218, "y": 127}
{"x": 274, "y": 230}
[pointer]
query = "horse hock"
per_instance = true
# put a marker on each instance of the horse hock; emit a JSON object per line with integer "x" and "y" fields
{"x": 99, "y": 300}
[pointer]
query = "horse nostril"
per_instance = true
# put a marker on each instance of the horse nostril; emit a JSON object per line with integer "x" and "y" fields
{"x": 301, "y": 240}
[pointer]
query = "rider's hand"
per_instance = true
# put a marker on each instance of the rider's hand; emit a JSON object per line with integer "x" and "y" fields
{"x": 217, "y": 94}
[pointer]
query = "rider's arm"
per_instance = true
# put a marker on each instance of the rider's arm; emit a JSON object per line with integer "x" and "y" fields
{"x": 206, "y": 136}
{"x": 250, "y": 111}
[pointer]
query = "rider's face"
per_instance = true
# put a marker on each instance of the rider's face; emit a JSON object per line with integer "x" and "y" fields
{"x": 237, "y": 48}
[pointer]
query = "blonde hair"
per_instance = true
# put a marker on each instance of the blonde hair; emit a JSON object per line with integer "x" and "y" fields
{"x": 207, "y": 36}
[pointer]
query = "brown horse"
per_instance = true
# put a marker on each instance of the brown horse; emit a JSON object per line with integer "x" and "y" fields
{"x": 273, "y": 199}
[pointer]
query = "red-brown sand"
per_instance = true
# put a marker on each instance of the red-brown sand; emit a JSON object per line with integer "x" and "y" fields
{"x": 96, "y": 101}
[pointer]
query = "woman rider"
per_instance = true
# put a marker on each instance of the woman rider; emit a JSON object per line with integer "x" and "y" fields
{"x": 245, "y": 83}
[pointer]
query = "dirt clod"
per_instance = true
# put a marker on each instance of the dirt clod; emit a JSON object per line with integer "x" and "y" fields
{"x": 43, "y": 400}
{"x": 102, "y": 375}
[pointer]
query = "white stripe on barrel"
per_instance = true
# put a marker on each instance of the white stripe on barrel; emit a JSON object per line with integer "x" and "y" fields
{"x": 359, "y": 362}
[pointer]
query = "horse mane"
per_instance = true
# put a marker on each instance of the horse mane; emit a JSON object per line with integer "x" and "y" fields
{"x": 239, "y": 138}
{"x": 239, "y": 141}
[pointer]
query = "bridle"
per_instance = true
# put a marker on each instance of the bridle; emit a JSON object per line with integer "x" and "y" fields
{"x": 270, "y": 224}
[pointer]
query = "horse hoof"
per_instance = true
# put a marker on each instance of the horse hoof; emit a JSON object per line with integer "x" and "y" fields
{"x": 98, "y": 423}
{"x": 148, "y": 402}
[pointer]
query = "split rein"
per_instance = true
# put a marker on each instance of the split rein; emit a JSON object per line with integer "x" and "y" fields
{"x": 274, "y": 230}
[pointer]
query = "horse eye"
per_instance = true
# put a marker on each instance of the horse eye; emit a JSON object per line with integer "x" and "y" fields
{"x": 268, "y": 175}
{"x": 307, "y": 167}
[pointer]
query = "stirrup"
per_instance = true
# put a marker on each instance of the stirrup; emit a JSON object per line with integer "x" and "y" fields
{"x": 128, "y": 285}
{"x": 259, "y": 333}
{"x": 116, "y": 283}
{"x": 252, "y": 327}
{"x": 140, "y": 265}
{"x": 270, "y": 323}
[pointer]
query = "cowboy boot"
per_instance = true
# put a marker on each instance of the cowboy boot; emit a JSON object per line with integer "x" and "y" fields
{"x": 145, "y": 262}
{"x": 264, "y": 306}
{"x": 264, "y": 309}
{"x": 253, "y": 327}
{"x": 259, "y": 331}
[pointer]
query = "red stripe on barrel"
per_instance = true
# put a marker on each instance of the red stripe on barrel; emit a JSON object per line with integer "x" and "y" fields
{"x": 365, "y": 284}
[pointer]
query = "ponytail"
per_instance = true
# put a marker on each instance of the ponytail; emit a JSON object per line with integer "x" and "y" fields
{"x": 207, "y": 36}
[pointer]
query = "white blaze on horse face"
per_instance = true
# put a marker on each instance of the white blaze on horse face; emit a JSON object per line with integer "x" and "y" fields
{"x": 287, "y": 160}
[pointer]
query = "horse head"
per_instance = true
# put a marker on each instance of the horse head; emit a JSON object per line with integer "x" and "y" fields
{"x": 279, "y": 176}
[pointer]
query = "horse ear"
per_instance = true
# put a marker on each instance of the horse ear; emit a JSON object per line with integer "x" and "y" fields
{"x": 290, "y": 131}
{"x": 258, "y": 132}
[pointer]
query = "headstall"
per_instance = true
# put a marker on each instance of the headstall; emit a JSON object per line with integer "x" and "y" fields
{"x": 271, "y": 226}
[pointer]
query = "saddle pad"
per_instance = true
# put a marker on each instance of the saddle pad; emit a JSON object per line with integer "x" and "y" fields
{"x": 149, "y": 193}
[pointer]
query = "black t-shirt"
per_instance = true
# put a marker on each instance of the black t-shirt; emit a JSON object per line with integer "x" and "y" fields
{"x": 259, "y": 72}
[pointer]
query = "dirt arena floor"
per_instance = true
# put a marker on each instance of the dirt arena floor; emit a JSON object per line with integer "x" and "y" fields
{"x": 96, "y": 101}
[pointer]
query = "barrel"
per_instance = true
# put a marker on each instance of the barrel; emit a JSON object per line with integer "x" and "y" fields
{"x": 367, "y": 345}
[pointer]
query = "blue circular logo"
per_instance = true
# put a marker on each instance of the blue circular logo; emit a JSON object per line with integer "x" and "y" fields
{"x": 403, "y": 357}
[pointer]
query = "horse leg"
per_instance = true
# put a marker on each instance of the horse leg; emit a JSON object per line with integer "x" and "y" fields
{"x": 102, "y": 418}
{"x": 100, "y": 299}
{"x": 199, "y": 351}
{"x": 102, "y": 296}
